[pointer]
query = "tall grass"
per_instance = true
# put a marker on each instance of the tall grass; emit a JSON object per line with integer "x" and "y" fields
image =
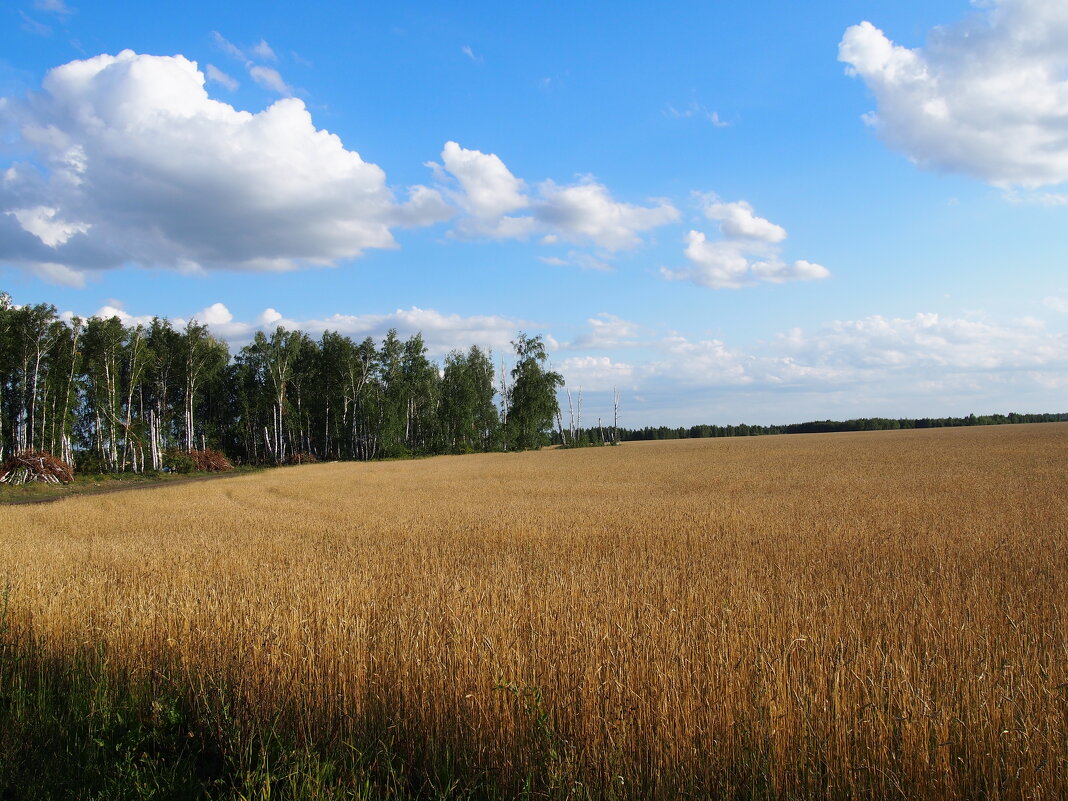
{"x": 877, "y": 615}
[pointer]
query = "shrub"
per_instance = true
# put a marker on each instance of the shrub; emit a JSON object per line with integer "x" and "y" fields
{"x": 177, "y": 461}
{"x": 209, "y": 461}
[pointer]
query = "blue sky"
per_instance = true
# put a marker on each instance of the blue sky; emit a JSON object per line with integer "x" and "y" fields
{"x": 762, "y": 212}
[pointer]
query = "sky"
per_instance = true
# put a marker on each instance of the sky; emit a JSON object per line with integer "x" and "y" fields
{"x": 761, "y": 212}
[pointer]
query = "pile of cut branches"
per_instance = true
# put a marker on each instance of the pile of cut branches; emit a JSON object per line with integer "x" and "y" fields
{"x": 302, "y": 458}
{"x": 210, "y": 461}
{"x": 30, "y": 466}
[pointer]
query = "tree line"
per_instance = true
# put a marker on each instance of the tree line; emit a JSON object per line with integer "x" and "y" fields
{"x": 827, "y": 426}
{"x": 110, "y": 397}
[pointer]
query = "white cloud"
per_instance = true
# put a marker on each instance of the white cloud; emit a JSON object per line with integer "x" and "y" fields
{"x": 930, "y": 341}
{"x": 987, "y": 96}
{"x": 133, "y": 162}
{"x": 488, "y": 192}
{"x": 218, "y": 76}
{"x": 737, "y": 220}
{"x": 703, "y": 362}
{"x": 41, "y": 221}
{"x": 115, "y": 309}
{"x": 1058, "y": 304}
{"x": 586, "y": 213}
{"x": 215, "y": 314}
{"x": 467, "y": 51}
{"x": 580, "y": 213}
{"x": 441, "y": 332}
{"x": 779, "y": 272}
{"x": 747, "y": 253}
{"x": 927, "y": 364}
{"x": 271, "y": 79}
{"x": 606, "y": 331}
{"x": 594, "y": 374}
{"x": 1034, "y": 198}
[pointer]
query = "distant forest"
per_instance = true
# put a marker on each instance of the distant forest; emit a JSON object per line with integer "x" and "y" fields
{"x": 827, "y": 426}
{"x": 106, "y": 397}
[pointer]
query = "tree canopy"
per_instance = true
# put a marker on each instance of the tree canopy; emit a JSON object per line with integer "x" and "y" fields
{"x": 116, "y": 397}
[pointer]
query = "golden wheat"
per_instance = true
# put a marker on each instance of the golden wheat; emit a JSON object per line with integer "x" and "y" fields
{"x": 869, "y": 615}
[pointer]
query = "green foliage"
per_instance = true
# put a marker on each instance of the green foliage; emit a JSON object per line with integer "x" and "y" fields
{"x": 532, "y": 404}
{"x": 468, "y": 416}
{"x": 89, "y": 463}
{"x": 179, "y": 461}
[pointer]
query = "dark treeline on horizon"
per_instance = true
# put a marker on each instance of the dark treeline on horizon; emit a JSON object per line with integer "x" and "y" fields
{"x": 603, "y": 434}
{"x": 113, "y": 398}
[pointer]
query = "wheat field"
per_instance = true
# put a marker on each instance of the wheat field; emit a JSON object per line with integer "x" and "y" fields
{"x": 869, "y": 615}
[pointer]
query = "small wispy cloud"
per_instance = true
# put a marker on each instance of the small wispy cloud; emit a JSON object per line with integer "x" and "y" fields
{"x": 576, "y": 258}
{"x": 696, "y": 110}
{"x": 267, "y": 77}
{"x": 467, "y": 51}
{"x": 264, "y": 51}
{"x": 30, "y": 25}
{"x": 1031, "y": 198}
{"x": 717, "y": 122}
{"x": 270, "y": 79}
{"x": 228, "y": 47}
{"x": 57, "y": 7}
{"x": 218, "y": 76}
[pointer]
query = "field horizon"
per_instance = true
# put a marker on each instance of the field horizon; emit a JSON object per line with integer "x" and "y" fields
{"x": 847, "y": 615}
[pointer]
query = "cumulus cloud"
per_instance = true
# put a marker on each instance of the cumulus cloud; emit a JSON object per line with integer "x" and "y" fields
{"x": 747, "y": 252}
{"x": 133, "y": 162}
{"x": 595, "y": 374}
{"x": 606, "y": 331}
{"x": 929, "y": 340}
{"x": 738, "y": 221}
{"x": 584, "y": 213}
{"x": 987, "y": 96}
{"x": 877, "y": 356}
{"x": 486, "y": 190}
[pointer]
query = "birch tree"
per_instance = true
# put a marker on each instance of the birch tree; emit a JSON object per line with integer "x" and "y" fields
{"x": 532, "y": 403}
{"x": 201, "y": 357}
